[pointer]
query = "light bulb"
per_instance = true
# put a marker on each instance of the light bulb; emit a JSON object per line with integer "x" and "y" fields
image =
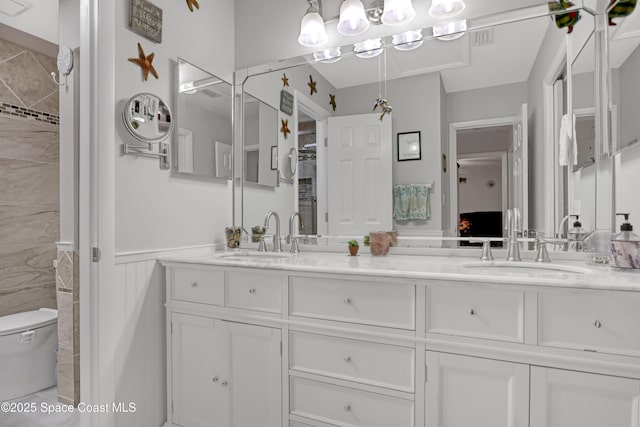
{"x": 353, "y": 18}
{"x": 397, "y": 12}
{"x": 312, "y": 31}
{"x": 446, "y": 8}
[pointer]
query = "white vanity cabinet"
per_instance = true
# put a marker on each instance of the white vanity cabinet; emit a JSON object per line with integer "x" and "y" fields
{"x": 222, "y": 373}
{"x": 295, "y": 348}
{"x": 561, "y": 398}
{"x": 470, "y": 391}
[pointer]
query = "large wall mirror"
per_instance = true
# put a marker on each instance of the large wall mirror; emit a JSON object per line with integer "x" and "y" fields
{"x": 474, "y": 130}
{"x": 624, "y": 54}
{"x": 203, "y": 134}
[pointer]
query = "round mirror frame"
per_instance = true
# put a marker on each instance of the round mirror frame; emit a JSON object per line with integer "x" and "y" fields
{"x": 128, "y": 119}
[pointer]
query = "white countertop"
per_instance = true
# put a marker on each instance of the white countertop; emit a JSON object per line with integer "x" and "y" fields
{"x": 426, "y": 267}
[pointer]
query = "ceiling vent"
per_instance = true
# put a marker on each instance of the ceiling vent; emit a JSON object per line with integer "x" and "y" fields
{"x": 482, "y": 37}
{"x": 13, "y": 8}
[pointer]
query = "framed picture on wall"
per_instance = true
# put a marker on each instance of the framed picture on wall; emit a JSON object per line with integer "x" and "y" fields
{"x": 274, "y": 157}
{"x": 409, "y": 147}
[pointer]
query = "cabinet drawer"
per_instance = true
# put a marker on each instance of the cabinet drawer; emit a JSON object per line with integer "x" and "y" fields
{"x": 390, "y": 305}
{"x": 606, "y": 322}
{"x": 361, "y": 361}
{"x": 476, "y": 311}
{"x": 345, "y": 407}
{"x": 198, "y": 285}
{"x": 254, "y": 291}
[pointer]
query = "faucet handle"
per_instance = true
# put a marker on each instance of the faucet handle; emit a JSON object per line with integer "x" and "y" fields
{"x": 262, "y": 245}
{"x": 487, "y": 255}
{"x": 542, "y": 254}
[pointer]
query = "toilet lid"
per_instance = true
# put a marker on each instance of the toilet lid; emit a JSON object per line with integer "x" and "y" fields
{"x": 28, "y": 320}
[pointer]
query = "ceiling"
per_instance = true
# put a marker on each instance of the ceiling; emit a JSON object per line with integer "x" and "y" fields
{"x": 38, "y": 17}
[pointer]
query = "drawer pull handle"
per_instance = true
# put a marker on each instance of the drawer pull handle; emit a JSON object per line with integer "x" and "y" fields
{"x": 347, "y": 359}
{"x": 194, "y": 284}
{"x": 347, "y": 408}
{"x": 597, "y": 324}
{"x": 214, "y": 379}
{"x": 224, "y": 383}
{"x": 252, "y": 291}
{"x": 347, "y": 300}
{"x": 472, "y": 312}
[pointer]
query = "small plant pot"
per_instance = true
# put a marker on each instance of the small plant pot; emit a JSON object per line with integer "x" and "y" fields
{"x": 380, "y": 243}
{"x": 353, "y": 250}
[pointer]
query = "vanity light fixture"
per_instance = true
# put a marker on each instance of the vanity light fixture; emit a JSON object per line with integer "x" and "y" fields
{"x": 448, "y": 31}
{"x": 312, "y": 31}
{"x": 188, "y": 88}
{"x": 397, "y": 12}
{"x": 328, "y": 56}
{"x": 368, "y": 48}
{"x": 407, "y": 41}
{"x": 446, "y": 8}
{"x": 353, "y": 18}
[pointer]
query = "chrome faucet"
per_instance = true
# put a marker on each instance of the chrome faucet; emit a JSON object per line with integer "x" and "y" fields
{"x": 513, "y": 251}
{"x": 291, "y": 238}
{"x": 277, "y": 243}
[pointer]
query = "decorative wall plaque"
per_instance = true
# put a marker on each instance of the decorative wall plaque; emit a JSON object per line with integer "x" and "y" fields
{"x": 146, "y": 20}
{"x": 286, "y": 102}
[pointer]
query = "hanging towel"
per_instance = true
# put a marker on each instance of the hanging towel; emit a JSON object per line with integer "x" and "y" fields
{"x": 411, "y": 201}
{"x": 568, "y": 149}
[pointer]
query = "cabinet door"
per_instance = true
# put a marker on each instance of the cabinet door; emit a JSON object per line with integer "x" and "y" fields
{"x": 199, "y": 350}
{"x": 567, "y": 398}
{"x": 469, "y": 391}
{"x": 255, "y": 380}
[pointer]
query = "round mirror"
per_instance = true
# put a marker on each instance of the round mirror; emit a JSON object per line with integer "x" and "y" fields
{"x": 293, "y": 161}
{"x": 147, "y": 118}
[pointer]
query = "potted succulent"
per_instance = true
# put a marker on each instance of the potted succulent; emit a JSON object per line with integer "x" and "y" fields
{"x": 353, "y": 247}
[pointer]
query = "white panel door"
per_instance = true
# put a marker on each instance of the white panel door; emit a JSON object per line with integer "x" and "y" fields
{"x": 360, "y": 179}
{"x": 567, "y": 398}
{"x": 519, "y": 199}
{"x": 254, "y": 381}
{"x": 469, "y": 391}
{"x": 199, "y": 361}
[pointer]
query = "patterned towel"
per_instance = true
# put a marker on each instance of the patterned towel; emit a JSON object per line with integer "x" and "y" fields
{"x": 411, "y": 201}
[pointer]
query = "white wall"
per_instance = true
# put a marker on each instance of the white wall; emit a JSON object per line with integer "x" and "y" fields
{"x": 154, "y": 208}
{"x": 484, "y": 140}
{"x": 416, "y": 107}
{"x": 475, "y": 195}
{"x": 486, "y": 103}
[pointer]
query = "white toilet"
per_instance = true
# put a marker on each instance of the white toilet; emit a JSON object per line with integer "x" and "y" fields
{"x": 28, "y": 344}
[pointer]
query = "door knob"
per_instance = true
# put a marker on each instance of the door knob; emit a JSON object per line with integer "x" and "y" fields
{"x": 347, "y": 300}
{"x": 214, "y": 379}
{"x": 224, "y": 383}
{"x": 597, "y": 324}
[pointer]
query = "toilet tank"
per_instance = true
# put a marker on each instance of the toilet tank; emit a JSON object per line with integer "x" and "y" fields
{"x": 28, "y": 347}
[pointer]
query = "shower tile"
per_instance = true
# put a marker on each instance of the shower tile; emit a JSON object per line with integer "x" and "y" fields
{"x": 48, "y": 63}
{"x": 7, "y": 50}
{"x": 26, "y": 181}
{"x": 48, "y": 105}
{"x": 64, "y": 272}
{"x": 7, "y": 96}
{"x": 67, "y": 317}
{"x": 33, "y": 223}
{"x": 28, "y": 298}
{"x": 26, "y": 139}
{"x": 66, "y": 374}
{"x": 26, "y": 77}
{"x": 24, "y": 265}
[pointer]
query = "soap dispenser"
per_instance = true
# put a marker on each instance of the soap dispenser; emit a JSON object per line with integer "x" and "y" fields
{"x": 625, "y": 248}
{"x": 577, "y": 234}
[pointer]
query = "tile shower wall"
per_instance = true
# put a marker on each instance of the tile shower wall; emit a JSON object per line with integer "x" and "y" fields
{"x": 29, "y": 176}
{"x": 68, "y": 327}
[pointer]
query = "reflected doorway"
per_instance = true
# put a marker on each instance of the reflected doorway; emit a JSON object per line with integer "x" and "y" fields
{"x": 307, "y": 173}
{"x": 483, "y": 185}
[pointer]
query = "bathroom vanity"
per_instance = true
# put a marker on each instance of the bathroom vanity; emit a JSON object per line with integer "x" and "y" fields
{"x": 321, "y": 339}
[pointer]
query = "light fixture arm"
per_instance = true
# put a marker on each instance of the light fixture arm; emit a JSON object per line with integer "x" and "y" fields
{"x": 315, "y": 6}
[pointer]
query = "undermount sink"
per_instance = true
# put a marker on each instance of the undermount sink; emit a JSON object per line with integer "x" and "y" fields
{"x": 256, "y": 256}
{"x": 525, "y": 267}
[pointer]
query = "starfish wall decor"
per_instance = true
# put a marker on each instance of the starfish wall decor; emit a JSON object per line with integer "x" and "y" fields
{"x": 192, "y": 4}
{"x": 285, "y": 80}
{"x": 285, "y": 128}
{"x": 312, "y": 85}
{"x": 145, "y": 62}
{"x": 333, "y": 101}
